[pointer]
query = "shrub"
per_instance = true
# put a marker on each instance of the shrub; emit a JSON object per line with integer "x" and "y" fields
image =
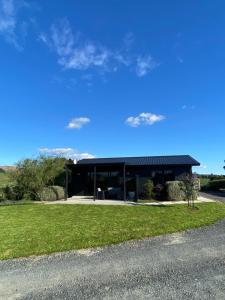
{"x": 51, "y": 193}
{"x": 11, "y": 192}
{"x": 216, "y": 185}
{"x": 159, "y": 191}
{"x": 184, "y": 190}
{"x": 2, "y": 195}
{"x": 174, "y": 191}
{"x": 148, "y": 189}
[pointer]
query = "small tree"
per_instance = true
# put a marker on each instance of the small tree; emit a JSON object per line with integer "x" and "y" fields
{"x": 189, "y": 188}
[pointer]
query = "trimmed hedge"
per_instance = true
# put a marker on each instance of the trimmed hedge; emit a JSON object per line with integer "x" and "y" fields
{"x": 215, "y": 185}
{"x": 52, "y": 193}
{"x": 175, "y": 191}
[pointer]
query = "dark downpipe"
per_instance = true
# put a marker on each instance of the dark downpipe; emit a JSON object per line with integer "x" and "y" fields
{"x": 94, "y": 183}
{"x": 66, "y": 183}
{"x": 124, "y": 183}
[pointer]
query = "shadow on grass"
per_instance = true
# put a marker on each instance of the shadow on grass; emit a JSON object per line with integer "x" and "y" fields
{"x": 18, "y": 202}
{"x": 149, "y": 204}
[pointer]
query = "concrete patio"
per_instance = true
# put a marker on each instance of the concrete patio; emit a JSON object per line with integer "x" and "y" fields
{"x": 89, "y": 200}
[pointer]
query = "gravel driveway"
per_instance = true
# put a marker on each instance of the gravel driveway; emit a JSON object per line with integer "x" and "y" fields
{"x": 188, "y": 265}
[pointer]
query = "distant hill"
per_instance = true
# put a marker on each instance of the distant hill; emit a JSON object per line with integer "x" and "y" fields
{"x": 7, "y": 168}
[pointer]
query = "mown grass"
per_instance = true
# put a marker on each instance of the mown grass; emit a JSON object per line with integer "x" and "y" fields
{"x": 40, "y": 229}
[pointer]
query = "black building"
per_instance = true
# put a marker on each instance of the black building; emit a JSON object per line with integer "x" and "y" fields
{"x": 119, "y": 176}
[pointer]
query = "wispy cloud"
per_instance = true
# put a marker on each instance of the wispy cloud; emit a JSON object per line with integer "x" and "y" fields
{"x": 145, "y": 64}
{"x": 78, "y": 123}
{"x": 144, "y": 118}
{"x": 66, "y": 152}
{"x": 184, "y": 107}
{"x": 77, "y": 53}
{"x": 128, "y": 40}
{"x": 73, "y": 53}
{"x": 9, "y": 24}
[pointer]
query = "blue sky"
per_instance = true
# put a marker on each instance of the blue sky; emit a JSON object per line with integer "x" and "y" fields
{"x": 113, "y": 78}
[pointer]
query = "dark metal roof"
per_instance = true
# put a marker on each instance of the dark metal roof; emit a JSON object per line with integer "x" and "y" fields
{"x": 145, "y": 160}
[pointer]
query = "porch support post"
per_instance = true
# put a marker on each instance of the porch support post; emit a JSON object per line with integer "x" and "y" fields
{"x": 94, "y": 183}
{"x": 66, "y": 183}
{"x": 137, "y": 188}
{"x": 124, "y": 183}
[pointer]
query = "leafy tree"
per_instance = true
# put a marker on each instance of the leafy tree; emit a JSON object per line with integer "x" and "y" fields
{"x": 32, "y": 175}
{"x": 52, "y": 168}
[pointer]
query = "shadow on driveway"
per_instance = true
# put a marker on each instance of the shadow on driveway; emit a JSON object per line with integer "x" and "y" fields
{"x": 219, "y": 196}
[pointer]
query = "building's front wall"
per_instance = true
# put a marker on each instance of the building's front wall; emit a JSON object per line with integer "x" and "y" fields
{"x": 82, "y": 177}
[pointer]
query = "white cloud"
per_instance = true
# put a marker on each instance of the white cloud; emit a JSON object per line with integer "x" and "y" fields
{"x": 66, "y": 152}
{"x": 78, "y": 123}
{"x": 144, "y": 119}
{"x": 201, "y": 167}
{"x": 75, "y": 52}
{"x": 145, "y": 64}
{"x": 9, "y": 23}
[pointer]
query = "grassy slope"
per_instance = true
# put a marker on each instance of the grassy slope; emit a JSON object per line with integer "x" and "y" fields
{"x": 4, "y": 179}
{"x": 204, "y": 182}
{"x": 39, "y": 229}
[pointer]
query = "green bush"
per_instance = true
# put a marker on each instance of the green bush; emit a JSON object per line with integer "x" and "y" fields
{"x": 175, "y": 191}
{"x": 148, "y": 189}
{"x": 51, "y": 193}
{"x": 215, "y": 185}
{"x": 181, "y": 190}
{"x": 11, "y": 192}
{"x": 2, "y": 195}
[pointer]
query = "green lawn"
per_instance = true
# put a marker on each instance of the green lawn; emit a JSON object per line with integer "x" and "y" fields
{"x": 4, "y": 179}
{"x": 39, "y": 229}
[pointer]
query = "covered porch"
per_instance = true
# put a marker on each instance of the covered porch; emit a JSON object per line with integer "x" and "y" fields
{"x": 116, "y": 181}
{"x": 99, "y": 181}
